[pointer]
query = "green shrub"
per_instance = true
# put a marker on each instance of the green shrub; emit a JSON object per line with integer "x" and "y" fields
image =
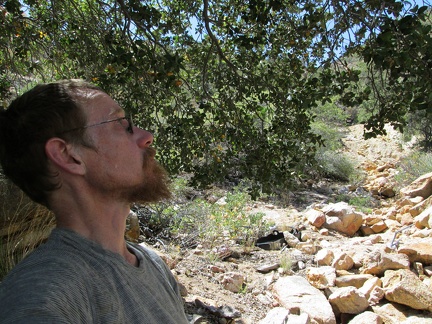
{"x": 336, "y": 165}
{"x": 364, "y": 204}
{"x": 331, "y": 135}
{"x": 190, "y": 221}
{"x": 413, "y": 166}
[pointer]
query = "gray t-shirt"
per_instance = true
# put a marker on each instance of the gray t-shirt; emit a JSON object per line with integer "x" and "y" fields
{"x": 71, "y": 279}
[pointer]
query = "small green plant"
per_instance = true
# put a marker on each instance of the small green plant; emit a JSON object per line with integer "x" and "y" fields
{"x": 243, "y": 289}
{"x": 286, "y": 263}
{"x": 364, "y": 204}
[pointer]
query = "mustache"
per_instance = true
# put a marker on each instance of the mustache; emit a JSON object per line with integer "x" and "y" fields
{"x": 149, "y": 153}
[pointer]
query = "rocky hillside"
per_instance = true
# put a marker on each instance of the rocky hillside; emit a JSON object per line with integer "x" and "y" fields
{"x": 325, "y": 262}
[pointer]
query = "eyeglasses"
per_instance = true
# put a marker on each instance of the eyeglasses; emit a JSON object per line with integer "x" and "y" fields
{"x": 129, "y": 127}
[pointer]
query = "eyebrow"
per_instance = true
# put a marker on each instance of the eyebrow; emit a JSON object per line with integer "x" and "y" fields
{"x": 117, "y": 111}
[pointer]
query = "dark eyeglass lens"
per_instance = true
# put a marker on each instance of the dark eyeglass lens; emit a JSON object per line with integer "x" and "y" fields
{"x": 130, "y": 124}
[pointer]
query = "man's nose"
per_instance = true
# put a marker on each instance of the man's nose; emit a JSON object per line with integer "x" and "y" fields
{"x": 145, "y": 138}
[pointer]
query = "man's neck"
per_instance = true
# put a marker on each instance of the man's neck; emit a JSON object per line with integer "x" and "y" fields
{"x": 101, "y": 222}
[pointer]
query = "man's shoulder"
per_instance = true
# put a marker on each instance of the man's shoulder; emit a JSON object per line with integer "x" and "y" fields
{"x": 44, "y": 265}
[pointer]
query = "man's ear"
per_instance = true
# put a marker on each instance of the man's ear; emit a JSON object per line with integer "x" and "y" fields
{"x": 64, "y": 156}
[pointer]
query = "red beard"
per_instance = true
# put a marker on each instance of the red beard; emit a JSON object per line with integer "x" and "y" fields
{"x": 155, "y": 185}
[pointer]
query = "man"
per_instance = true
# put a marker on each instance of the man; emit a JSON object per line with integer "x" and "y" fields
{"x": 70, "y": 147}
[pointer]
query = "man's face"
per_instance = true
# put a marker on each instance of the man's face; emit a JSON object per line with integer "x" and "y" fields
{"x": 121, "y": 164}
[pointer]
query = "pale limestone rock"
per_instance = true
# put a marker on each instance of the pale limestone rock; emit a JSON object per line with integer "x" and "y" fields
{"x": 324, "y": 257}
{"x": 371, "y": 219}
{"x": 132, "y": 231}
{"x": 322, "y": 277}
{"x": 366, "y": 230}
{"x": 354, "y": 280}
{"x": 422, "y": 186}
{"x": 422, "y": 220}
{"x": 390, "y": 213}
{"x": 387, "y": 192}
{"x": 421, "y": 205}
{"x": 418, "y": 252}
{"x": 369, "y": 285}
{"x": 232, "y": 281}
{"x": 404, "y": 287}
{"x": 342, "y": 218}
{"x": 425, "y": 232}
{"x": 367, "y": 318}
{"x": 342, "y": 261}
{"x": 296, "y": 293}
{"x": 377, "y": 262}
{"x": 306, "y": 236}
{"x": 379, "y": 227}
{"x": 348, "y": 300}
{"x": 389, "y": 313}
{"x": 263, "y": 299}
{"x": 277, "y": 315}
{"x": 315, "y": 217}
{"x": 299, "y": 319}
{"x": 376, "y": 295}
{"x": 405, "y": 219}
{"x": 324, "y": 231}
{"x": 428, "y": 270}
{"x": 399, "y": 314}
{"x": 291, "y": 239}
{"x": 392, "y": 224}
{"x": 307, "y": 247}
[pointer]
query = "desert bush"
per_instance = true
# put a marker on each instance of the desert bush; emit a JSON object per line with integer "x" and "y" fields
{"x": 413, "y": 166}
{"x": 336, "y": 165}
{"x": 189, "y": 222}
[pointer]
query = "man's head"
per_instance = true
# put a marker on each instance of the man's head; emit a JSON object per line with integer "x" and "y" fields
{"x": 49, "y": 114}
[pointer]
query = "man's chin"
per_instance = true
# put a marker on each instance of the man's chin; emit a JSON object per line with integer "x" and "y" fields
{"x": 154, "y": 188}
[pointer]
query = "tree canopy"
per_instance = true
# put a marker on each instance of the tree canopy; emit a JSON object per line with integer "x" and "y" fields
{"x": 227, "y": 87}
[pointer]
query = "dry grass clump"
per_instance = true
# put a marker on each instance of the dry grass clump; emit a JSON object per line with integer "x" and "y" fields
{"x": 23, "y": 226}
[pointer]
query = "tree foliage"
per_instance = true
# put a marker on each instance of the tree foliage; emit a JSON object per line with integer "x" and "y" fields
{"x": 227, "y": 87}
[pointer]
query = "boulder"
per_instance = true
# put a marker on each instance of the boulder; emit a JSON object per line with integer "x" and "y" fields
{"x": 324, "y": 257}
{"x": 315, "y": 217}
{"x": 421, "y": 205}
{"x": 295, "y": 293}
{"x": 322, "y": 277}
{"x": 399, "y": 314}
{"x": 423, "y": 219}
{"x": 355, "y": 280}
{"x": 372, "y": 289}
{"x": 349, "y": 300}
{"x": 232, "y": 281}
{"x": 277, "y": 315}
{"x": 343, "y": 261}
{"x": 404, "y": 287}
{"x": 377, "y": 262}
{"x": 422, "y": 187}
{"x": 367, "y": 318}
{"x": 342, "y": 218}
{"x": 418, "y": 252}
